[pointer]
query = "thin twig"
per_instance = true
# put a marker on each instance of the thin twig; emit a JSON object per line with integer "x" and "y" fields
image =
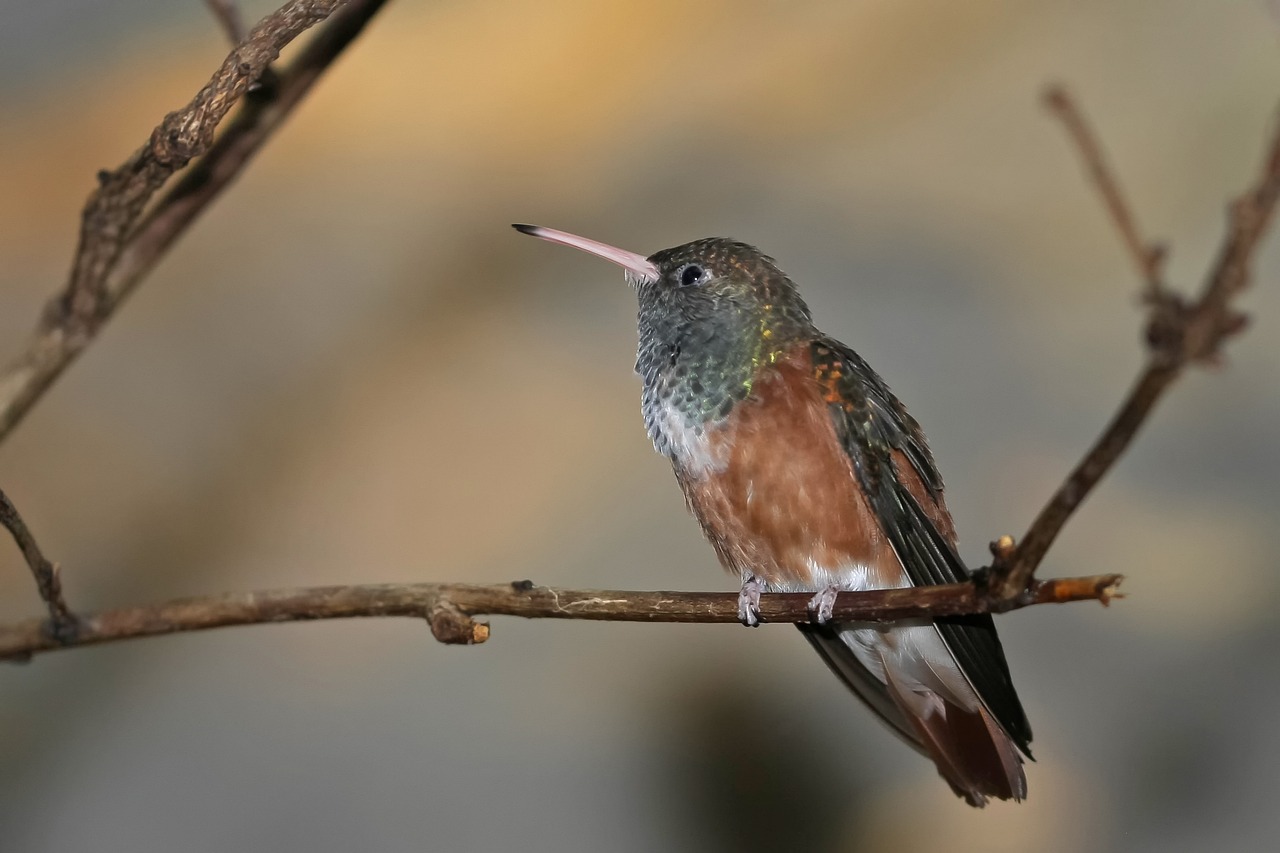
{"x": 61, "y": 626}
{"x": 449, "y": 608}
{"x": 1178, "y": 334}
{"x": 263, "y": 113}
{"x": 115, "y": 250}
{"x": 1148, "y": 257}
{"x": 227, "y": 12}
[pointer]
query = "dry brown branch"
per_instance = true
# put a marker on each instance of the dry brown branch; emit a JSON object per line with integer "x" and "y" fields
{"x": 118, "y": 245}
{"x": 450, "y": 608}
{"x": 1147, "y": 257}
{"x": 61, "y": 624}
{"x": 1178, "y": 334}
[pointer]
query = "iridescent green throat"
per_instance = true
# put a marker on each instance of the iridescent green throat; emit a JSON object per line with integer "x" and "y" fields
{"x": 695, "y": 370}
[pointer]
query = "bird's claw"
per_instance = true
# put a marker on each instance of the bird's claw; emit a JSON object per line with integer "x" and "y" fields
{"x": 823, "y": 604}
{"x": 749, "y": 602}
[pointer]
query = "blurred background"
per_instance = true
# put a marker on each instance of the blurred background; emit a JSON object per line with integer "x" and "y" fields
{"x": 352, "y": 370}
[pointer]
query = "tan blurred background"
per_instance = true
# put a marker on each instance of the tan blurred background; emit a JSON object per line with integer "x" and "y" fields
{"x": 352, "y": 370}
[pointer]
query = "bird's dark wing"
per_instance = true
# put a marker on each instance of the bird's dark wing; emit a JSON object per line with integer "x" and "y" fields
{"x": 871, "y": 425}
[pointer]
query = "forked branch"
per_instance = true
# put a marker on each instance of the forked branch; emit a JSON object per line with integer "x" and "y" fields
{"x": 121, "y": 239}
{"x": 1179, "y": 333}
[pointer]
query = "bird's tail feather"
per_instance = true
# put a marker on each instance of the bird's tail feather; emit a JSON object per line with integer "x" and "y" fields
{"x": 972, "y": 752}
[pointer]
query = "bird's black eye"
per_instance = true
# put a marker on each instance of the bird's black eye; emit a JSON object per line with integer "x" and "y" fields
{"x": 691, "y": 274}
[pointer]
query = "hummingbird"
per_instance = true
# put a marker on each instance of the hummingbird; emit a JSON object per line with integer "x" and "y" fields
{"x": 807, "y": 474}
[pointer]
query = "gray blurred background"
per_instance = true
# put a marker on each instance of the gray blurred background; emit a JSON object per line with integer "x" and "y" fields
{"x": 352, "y": 370}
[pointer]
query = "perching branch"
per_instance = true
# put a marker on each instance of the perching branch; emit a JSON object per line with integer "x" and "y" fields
{"x": 449, "y": 608}
{"x": 119, "y": 245}
{"x": 1178, "y": 334}
{"x": 62, "y": 624}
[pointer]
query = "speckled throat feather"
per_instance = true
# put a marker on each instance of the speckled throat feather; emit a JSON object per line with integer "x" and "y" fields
{"x": 700, "y": 350}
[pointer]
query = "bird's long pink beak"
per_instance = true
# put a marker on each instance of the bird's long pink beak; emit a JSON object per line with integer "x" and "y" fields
{"x": 639, "y": 268}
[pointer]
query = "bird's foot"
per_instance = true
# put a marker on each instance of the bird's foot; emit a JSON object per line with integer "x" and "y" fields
{"x": 822, "y": 605}
{"x": 749, "y": 601}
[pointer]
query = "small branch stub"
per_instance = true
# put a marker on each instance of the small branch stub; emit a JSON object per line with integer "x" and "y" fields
{"x": 452, "y": 627}
{"x": 1003, "y": 548}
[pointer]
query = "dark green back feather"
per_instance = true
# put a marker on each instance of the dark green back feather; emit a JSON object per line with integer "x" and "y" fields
{"x": 871, "y": 424}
